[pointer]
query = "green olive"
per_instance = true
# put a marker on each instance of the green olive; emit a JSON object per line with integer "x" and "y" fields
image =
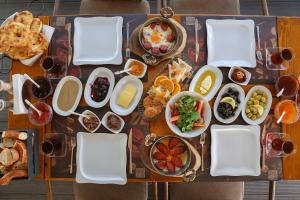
{"x": 249, "y": 103}
{"x": 263, "y": 99}
{"x": 256, "y": 102}
{"x": 253, "y": 117}
{"x": 258, "y": 97}
{"x": 252, "y": 99}
{"x": 249, "y": 115}
{"x": 247, "y": 110}
{"x": 254, "y": 94}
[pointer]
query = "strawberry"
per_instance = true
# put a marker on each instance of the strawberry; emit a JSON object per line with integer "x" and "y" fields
{"x": 159, "y": 156}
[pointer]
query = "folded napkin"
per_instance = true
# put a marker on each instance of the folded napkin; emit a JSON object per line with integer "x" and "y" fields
{"x": 18, "y": 81}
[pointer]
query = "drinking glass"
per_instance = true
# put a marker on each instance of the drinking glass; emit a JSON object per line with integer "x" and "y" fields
{"x": 44, "y": 118}
{"x": 277, "y": 58}
{"x": 279, "y": 145}
{"x": 290, "y": 109}
{"x": 54, "y": 145}
{"x": 289, "y": 84}
{"x": 45, "y": 89}
{"x": 53, "y": 67}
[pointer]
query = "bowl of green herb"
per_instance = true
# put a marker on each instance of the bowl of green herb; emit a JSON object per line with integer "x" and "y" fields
{"x": 188, "y": 114}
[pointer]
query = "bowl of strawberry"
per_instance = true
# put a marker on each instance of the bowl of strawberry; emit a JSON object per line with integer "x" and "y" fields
{"x": 188, "y": 114}
{"x": 170, "y": 156}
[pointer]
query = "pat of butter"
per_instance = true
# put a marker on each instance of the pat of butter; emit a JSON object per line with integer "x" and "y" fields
{"x": 127, "y": 95}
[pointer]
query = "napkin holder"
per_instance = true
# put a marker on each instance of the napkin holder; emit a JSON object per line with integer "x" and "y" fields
{"x": 18, "y": 81}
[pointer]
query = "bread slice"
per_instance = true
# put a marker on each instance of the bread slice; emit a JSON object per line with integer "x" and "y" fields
{"x": 6, "y": 157}
{"x": 15, "y": 154}
{"x": 8, "y": 142}
{"x": 36, "y": 25}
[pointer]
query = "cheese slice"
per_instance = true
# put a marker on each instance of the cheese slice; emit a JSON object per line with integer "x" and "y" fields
{"x": 127, "y": 95}
{"x": 206, "y": 83}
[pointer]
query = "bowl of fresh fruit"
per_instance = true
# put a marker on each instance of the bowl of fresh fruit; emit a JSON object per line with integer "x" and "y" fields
{"x": 170, "y": 156}
{"x": 188, "y": 114}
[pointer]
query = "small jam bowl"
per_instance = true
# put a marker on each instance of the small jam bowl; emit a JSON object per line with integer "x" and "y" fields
{"x": 247, "y": 73}
{"x": 129, "y": 61}
{"x": 88, "y": 112}
{"x": 104, "y": 122}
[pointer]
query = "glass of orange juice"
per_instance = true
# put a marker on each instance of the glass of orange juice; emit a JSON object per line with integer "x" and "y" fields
{"x": 290, "y": 109}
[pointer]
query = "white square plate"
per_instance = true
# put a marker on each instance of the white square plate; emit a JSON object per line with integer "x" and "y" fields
{"x": 101, "y": 158}
{"x": 235, "y": 150}
{"x": 98, "y": 40}
{"x": 231, "y": 43}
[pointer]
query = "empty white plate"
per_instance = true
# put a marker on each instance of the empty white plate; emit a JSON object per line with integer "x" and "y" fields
{"x": 235, "y": 150}
{"x": 231, "y": 43}
{"x": 101, "y": 158}
{"x": 98, "y": 40}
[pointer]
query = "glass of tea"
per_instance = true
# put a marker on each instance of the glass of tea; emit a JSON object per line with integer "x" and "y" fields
{"x": 54, "y": 145}
{"x": 289, "y": 111}
{"x": 277, "y": 58}
{"x": 45, "y": 89}
{"x": 283, "y": 54}
{"x": 279, "y": 145}
{"x": 52, "y": 66}
{"x": 42, "y": 118}
{"x": 289, "y": 84}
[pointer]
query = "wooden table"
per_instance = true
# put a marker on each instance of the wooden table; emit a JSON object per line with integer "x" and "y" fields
{"x": 288, "y": 33}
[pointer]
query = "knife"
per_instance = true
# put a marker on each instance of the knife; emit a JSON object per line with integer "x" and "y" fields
{"x": 70, "y": 50}
{"x": 196, "y": 41}
{"x": 130, "y": 150}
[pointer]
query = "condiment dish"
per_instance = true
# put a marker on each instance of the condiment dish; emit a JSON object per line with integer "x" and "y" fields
{"x": 105, "y": 123}
{"x": 130, "y": 61}
{"x": 247, "y": 73}
{"x": 89, "y": 113}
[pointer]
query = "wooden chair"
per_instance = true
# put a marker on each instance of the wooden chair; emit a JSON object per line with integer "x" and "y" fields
{"x": 130, "y": 191}
{"x": 103, "y": 7}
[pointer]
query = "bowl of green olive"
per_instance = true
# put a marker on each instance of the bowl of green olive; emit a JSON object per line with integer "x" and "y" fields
{"x": 257, "y": 105}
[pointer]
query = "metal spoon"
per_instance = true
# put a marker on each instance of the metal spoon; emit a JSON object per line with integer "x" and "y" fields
{"x": 281, "y": 117}
{"x": 122, "y": 71}
{"x": 33, "y": 107}
{"x": 280, "y": 92}
{"x": 31, "y": 80}
{"x": 258, "y": 52}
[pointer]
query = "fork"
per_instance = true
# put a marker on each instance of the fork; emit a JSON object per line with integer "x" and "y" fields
{"x": 202, "y": 142}
{"x": 258, "y": 52}
{"x": 73, "y": 145}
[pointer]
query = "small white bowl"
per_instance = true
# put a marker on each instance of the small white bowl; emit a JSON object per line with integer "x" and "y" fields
{"x": 104, "y": 122}
{"x": 248, "y": 75}
{"x": 88, "y": 112}
{"x": 129, "y": 61}
{"x": 196, "y": 132}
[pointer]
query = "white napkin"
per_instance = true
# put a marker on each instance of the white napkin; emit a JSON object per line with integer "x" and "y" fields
{"x": 18, "y": 81}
